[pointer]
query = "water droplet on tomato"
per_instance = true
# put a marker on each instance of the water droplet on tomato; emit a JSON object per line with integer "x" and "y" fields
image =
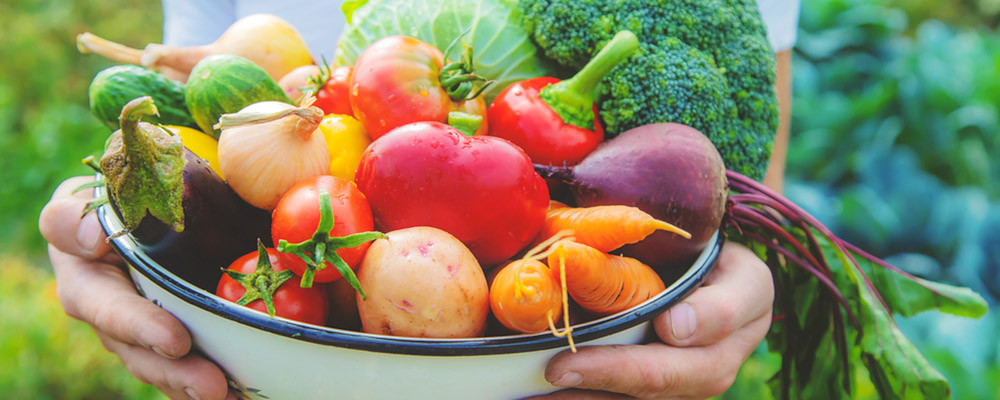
{"x": 355, "y": 88}
{"x": 423, "y": 90}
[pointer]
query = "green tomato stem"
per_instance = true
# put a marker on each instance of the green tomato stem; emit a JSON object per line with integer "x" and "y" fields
{"x": 573, "y": 99}
{"x": 262, "y": 283}
{"x": 322, "y": 248}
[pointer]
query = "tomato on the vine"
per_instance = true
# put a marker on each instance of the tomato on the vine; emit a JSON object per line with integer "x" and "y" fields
{"x": 399, "y": 80}
{"x": 264, "y": 284}
{"x": 296, "y": 221}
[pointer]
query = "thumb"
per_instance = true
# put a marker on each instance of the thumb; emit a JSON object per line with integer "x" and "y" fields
{"x": 62, "y": 226}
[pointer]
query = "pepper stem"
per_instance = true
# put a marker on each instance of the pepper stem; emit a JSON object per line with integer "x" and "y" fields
{"x": 466, "y": 123}
{"x": 321, "y": 249}
{"x": 573, "y": 99}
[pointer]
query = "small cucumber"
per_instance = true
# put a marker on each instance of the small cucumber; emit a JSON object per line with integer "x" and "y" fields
{"x": 223, "y": 84}
{"x": 115, "y": 86}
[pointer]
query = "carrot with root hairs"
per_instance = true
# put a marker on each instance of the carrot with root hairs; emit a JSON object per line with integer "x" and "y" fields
{"x": 602, "y": 283}
{"x": 604, "y": 228}
{"x": 526, "y": 296}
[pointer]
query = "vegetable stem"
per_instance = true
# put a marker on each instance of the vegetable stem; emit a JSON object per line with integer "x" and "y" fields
{"x": 466, "y": 123}
{"x": 321, "y": 248}
{"x": 261, "y": 284}
{"x": 573, "y": 99}
{"x": 90, "y": 43}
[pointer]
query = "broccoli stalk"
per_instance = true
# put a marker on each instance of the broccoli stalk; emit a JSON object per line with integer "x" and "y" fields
{"x": 573, "y": 99}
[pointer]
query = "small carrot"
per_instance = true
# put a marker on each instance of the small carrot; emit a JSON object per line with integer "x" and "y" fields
{"x": 526, "y": 296}
{"x": 604, "y": 228}
{"x": 602, "y": 283}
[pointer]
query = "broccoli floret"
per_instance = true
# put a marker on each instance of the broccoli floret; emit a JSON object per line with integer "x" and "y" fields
{"x": 703, "y": 63}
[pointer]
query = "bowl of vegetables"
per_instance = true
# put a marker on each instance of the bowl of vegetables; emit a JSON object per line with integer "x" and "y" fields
{"x": 279, "y": 358}
{"x": 443, "y": 259}
{"x": 454, "y": 246}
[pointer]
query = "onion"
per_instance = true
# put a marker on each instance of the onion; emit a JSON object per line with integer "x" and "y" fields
{"x": 268, "y": 146}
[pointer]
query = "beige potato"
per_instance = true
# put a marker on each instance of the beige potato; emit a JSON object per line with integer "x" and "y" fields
{"x": 422, "y": 282}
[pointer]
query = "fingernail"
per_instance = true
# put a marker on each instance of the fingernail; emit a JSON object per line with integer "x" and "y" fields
{"x": 88, "y": 235}
{"x": 683, "y": 322}
{"x": 569, "y": 379}
{"x": 190, "y": 392}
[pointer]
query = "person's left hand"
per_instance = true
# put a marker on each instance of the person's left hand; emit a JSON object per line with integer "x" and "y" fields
{"x": 705, "y": 340}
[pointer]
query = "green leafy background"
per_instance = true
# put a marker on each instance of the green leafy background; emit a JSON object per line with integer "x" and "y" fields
{"x": 895, "y": 146}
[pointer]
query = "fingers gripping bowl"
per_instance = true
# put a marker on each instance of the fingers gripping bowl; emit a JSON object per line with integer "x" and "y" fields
{"x": 276, "y": 358}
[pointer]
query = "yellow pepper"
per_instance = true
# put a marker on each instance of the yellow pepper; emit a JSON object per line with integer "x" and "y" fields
{"x": 200, "y": 144}
{"x": 347, "y": 140}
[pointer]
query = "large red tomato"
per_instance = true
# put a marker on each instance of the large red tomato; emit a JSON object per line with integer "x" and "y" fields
{"x": 289, "y": 300}
{"x": 297, "y": 216}
{"x": 481, "y": 189}
{"x": 398, "y": 80}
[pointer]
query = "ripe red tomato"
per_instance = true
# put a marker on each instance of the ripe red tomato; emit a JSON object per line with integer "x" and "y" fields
{"x": 309, "y": 305}
{"x": 333, "y": 97}
{"x": 297, "y": 215}
{"x": 397, "y": 80}
{"x": 481, "y": 189}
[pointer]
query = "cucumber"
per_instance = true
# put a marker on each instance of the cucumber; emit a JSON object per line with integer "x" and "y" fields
{"x": 224, "y": 84}
{"x": 115, "y": 86}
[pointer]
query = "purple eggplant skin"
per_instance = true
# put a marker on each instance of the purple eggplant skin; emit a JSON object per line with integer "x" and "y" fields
{"x": 671, "y": 171}
{"x": 219, "y": 227}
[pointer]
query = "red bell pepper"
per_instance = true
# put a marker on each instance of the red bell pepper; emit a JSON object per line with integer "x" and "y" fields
{"x": 555, "y": 121}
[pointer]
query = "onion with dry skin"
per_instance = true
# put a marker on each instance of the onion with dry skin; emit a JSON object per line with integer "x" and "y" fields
{"x": 267, "y": 147}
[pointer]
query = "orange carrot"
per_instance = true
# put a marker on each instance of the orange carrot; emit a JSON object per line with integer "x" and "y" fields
{"x": 602, "y": 283}
{"x": 604, "y": 228}
{"x": 525, "y": 296}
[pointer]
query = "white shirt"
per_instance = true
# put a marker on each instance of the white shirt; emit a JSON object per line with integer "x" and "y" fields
{"x": 198, "y": 22}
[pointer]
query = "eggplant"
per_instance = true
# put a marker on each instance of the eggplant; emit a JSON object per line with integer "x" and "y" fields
{"x": 180, "y": 212}
{"x": 671, "y": 171}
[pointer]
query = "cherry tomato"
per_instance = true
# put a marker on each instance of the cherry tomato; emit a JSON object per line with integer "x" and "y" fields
{"x": 398, "y": 80}
{"x": 309, "y": 305}
{"x": 332, "y": 97}
{"x": 297, "y": 216}
{"x": 519, "y": 115}
{"x": 481, "y": 189}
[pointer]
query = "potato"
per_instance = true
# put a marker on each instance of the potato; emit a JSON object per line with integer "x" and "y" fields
{"x": 422, "y": 282}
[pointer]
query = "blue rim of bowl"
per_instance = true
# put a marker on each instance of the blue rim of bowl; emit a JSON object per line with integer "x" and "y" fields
{"x": 126, "y": 246}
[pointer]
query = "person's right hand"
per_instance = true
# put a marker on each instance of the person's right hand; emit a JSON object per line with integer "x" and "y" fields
{"x": 94, "y": 287}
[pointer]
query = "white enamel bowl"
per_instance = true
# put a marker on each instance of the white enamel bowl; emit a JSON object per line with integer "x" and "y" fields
{"x": 274, "y": 358}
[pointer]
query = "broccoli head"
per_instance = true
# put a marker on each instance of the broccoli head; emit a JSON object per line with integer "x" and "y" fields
{"x": 703, "y": 63}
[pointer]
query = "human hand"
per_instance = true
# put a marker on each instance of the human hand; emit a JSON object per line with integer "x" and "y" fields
{"x": 705, "y": 340}
{"x": 93, "y": 287}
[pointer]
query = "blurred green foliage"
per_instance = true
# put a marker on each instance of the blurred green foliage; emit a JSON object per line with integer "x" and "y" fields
{"x": 46, "y": 355}
{"x": 45, "y": 129}
{"x": 896, "y": 146}
{"x": 45, "y": 122}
